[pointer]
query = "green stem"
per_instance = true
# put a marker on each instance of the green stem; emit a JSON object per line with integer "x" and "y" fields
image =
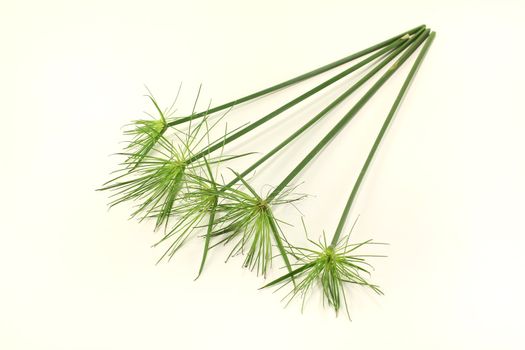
{"x": 416, "y": 41}
{"x": 379, "y": 137}
{"x": 397, "y": 48}
{"x": 215, "y": 146}
{"x": 294, "y": 80}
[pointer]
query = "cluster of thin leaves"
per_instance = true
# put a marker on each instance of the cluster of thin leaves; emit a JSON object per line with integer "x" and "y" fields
{"x": 333, "y": 269}
{"x": 154, "y": 182}
{"x": 174, "y": 184}
{"x": 247, "y": 220}
{"x": 171, "y": 184}
{"x": 194, "y": 204}
{"x": 145, "y": 133}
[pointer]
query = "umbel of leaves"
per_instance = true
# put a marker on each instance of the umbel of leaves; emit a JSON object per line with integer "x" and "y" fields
{"x": 334, "y": 269}
{"x": 154, "y": 183}
{"x": 248, "y": 221}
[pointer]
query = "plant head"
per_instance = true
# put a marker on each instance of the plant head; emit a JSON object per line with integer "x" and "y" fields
{"x": 247, "y": 219}
{"x": 196, "y": 201}
{"x": 145, "y": 133}
{"x": 333, "y": 269}
{"x": 156, "y": 170}
{"x": 154, "y": 183}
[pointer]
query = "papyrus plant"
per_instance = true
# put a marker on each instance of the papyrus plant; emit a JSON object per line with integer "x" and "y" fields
{"x": 172, "y": 173}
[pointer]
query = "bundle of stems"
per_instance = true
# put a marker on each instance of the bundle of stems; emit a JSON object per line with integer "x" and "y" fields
{"x": 251, "y": 217}
{"x": 174, "y": 178}
{"x": 246, "y": 218}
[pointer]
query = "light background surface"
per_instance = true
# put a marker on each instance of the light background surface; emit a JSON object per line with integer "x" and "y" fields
{"x": 446, "y": 189}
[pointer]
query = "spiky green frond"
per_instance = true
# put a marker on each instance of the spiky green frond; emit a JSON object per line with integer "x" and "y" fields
{"x": 195, "y": 203}
{"x": 154, "y": 183}
{"x": 333, "y": 269}
{"x": 145, "y": 133}
{"x": 155, "y": 170}
{"x": 247, "y": 219}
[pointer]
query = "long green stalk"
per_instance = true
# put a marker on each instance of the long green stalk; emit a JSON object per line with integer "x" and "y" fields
{"x": 379, "y": 137}
{"x": 398, "y": 48}
{"x": 218, "y": 145}
{"x": 295, "y": 80}
{"x": 417, "y": 40}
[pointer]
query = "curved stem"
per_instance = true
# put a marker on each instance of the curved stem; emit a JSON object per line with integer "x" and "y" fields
{"x": 294, "y": 80}
{"x": 380, "y": 136}
{"x": 415, "y": 42}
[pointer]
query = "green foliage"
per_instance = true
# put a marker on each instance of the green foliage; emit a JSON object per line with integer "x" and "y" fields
{"x": 333, "y": 269}
{"x": 248, "y": 221}
{"x": 156, "y": 170}
{"x": 153, "y": 184}
{"x": 169, "y": 178}
{"x": 145, "y": 133}
{"x": 194, "y": 204}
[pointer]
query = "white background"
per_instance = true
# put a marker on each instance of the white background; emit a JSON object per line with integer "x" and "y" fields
{"x": 446, "y": 189}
